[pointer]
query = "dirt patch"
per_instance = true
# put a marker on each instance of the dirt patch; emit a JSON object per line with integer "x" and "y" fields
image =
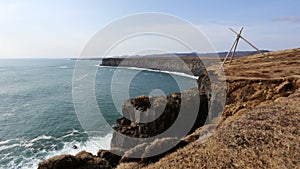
{"x": 248, "y": 93}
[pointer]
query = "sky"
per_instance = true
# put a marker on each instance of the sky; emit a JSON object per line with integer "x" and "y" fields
{"x": 61, "y": 29}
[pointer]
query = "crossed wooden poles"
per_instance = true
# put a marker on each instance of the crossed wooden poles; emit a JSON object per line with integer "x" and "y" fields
{"x": 234, "y": 46}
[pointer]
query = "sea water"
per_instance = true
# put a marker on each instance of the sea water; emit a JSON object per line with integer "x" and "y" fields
{"x": 37, "y": 115}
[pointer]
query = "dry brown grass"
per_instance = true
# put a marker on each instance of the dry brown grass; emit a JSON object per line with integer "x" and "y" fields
{"x": 249, "y": 93}
{"x": 261, "y": 127}
{"x": 280, "y": 64}
{"x": 265, "y": 137}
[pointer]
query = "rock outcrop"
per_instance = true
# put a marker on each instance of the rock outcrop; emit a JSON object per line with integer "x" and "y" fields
{"x": 145, "y": 150}
{"x": 192, "y": 66}
{"x": 147, "y": 117}
{"x": 248, "y": 93}
{"x": 161, "y": 112}
{"x": 82, "y": 160}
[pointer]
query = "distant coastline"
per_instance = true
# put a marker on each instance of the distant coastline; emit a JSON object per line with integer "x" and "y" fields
{"x": 152, "y": 70}
{"x": 181, "y": 55}
{"x": 188, "y": 65}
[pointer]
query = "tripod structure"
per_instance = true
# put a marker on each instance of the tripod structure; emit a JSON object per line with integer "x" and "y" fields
{"x": 235, "y": 44}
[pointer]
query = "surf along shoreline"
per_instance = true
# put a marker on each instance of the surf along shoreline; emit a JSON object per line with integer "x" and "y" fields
{"x": 194, "y": 68}
{"x": 121, "y": 149}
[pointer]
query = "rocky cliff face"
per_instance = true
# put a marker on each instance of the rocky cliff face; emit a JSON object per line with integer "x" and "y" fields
{"x": 164, "y": 111}
{"x": 147, "y": 117}
{"x": 191, "y": 66}
{"x": 160, "y": 113}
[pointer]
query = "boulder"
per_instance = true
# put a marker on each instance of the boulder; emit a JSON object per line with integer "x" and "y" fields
{"x": 283, "y": 87}
{"x": 134, "y": 154}
{"x": 111, "y": 156}
{"x": 61, "y": 162}
{"x": 154, "y": 152}
{"x": 83, "y": 155}
{"x": 164, "y": 111}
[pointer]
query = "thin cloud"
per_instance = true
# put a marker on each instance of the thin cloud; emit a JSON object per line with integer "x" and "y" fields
{"x": 287, "y": 19}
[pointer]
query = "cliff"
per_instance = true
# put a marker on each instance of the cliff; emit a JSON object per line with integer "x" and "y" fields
{"x": 189, "y": 65}
{"x": 147, "y": 117}
{"x": 161, "y": 116}
{"x": 259, "y": 127}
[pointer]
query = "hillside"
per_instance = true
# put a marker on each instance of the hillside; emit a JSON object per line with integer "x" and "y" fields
{"x": 261, "y": 121}
{"x": 259, "y": 126}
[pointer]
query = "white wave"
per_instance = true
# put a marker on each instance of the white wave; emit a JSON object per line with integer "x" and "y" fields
{"x": 8, "y": 146}
{"x": 75, "y": 131}
{"x": 8, "y": 114}
{"x": 27, "y": 144}
{"x": 82, "y": 77}
{"x": 152, "y": 70}
{"x": 4, "y": 142}
{"x": 92, "y": 145}
{"x": 63, "y": 67}
{"x": 70, "y": 134}
{"x": 42, "y": 137}
{"x": 8, "y": 141}
{"x": 26, "y": 105}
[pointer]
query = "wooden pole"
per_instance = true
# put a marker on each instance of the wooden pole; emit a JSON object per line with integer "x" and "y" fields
{"x": 234, "y": 44}
{"x": 238, "y": 38}
{"x": 248, "y": 42}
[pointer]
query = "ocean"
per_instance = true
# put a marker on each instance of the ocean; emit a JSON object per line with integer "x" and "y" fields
{"x": 37, "y": 115}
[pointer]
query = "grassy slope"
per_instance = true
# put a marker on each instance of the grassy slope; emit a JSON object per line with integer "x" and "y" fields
{"x": 265, "y": 137}
{"x": 261, "y": 121}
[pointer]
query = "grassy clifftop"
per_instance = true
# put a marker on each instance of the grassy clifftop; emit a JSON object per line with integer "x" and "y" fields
{"x": 261, "y": 121}
{"x": 264, "y": 137}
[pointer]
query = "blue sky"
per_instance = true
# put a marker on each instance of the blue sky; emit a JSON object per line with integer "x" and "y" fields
{"x": 56, "y": 28}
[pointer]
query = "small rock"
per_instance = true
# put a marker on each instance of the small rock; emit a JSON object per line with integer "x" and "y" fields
{"x": 298, "y": 83}
{"x": 283, "y": 87}
{"x": 134, "y": 154}
{"x": 111, "y": 157}
{"x": 152, "y": 152}
{"x": 84, "y": 155}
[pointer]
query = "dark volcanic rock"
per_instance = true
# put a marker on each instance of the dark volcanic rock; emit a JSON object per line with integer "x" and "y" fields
{"x": 82, "y": 160}
{"x": 146, "y": 117}
{"x": 161, "y": 115}
{"x": 61, "y": 162}
{"x": 142, "y": 103}
{"x": 111, "y": 156}
{"x": 85, "y": 156}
